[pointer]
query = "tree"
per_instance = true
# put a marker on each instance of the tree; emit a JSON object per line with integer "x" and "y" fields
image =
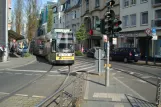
{"x": 32, "y": 18}
{"x": 81, "y": 35}
{"x": 18, "y": 11}
{"x": 50, "y": 19}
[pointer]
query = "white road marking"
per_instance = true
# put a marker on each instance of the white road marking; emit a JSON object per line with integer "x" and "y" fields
{"x": 130, "y": 88}
{"x": 54, "y": 75}
{"x": 37, "y": 74}
{"x": 140, "y": 80}
{"x": 118, "y": 71}
{"x": 4, "y": 93}
{"x": 8, "y": 73}
{"x": 55, "y": 71}
{"x": 92, "y": 70}
{"x": 18, "y": 73}
{"x": 24, "y": 95}
{"x": 87, "y": 89}
{"x": 120, "y": 77}
{"x": 38, "y": 96}
{"x": 28, "y": 74}
{"x": 131, "y": 73}
{"x": 25, "y": 70}
{"x": 146, "y": 77}
{"x": 83, "y": 68}
{"x": 113, "y": 73}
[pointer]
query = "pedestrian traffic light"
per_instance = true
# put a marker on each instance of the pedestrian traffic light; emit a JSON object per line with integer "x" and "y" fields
{"x": 110, "y": 3}
{"x": 116, "y": 24}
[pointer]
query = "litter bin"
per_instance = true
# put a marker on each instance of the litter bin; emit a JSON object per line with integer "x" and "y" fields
{"x": 1, "y": 55}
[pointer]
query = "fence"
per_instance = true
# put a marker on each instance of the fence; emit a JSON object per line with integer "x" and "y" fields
{"x": 69, "y": 95}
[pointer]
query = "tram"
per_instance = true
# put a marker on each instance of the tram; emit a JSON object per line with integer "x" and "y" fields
{"x": 56, "y": 46}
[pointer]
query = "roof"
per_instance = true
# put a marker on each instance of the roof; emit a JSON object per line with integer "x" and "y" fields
{"x": 14, "y": 35}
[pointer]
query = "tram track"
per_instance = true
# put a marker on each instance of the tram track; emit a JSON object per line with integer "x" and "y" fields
{"x": 22, "y": 87}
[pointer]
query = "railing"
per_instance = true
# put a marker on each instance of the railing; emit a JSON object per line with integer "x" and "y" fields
{"x": 69, "y": 95}
{"x": 156, "y": 23}
{"x": 156, "y": 3}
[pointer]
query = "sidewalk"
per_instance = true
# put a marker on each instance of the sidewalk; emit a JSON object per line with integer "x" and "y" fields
{"x": 14, "y": 62}
{"x": 150, "y": 63}
{"x": 118, "y": 94}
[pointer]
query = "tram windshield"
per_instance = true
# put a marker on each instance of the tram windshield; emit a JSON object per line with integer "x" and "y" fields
{"x": 65, "y": 42}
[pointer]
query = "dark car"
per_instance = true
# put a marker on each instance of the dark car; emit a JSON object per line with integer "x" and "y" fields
{"x": 125, "y": 54}
{"x": 91, "y": 52}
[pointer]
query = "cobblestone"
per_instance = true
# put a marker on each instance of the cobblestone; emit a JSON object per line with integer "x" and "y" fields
{"x": 20, "y": 101}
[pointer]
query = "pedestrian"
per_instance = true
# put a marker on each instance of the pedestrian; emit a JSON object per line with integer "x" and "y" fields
{"x": 22, "y": 49}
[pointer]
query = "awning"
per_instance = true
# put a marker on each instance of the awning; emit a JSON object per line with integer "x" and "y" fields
{"x": 14, "y": 35}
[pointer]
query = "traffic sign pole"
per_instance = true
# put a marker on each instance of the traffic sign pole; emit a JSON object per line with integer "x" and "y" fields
{"x": 148, "y": 32}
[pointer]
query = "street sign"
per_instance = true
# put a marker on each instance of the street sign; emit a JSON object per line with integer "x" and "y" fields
{"x": 114, "y": 41}
{"x": 154, "y": 32}
{"x": 155, "y": 38}
{"x": 105, "y": 38}
{"x": 148, "y": 31}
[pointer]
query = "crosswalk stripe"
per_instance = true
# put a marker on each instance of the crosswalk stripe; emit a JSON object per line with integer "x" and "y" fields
{"x": 25, "y": 70}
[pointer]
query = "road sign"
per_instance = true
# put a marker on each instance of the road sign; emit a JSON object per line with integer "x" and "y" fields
{"x": 154, "y": 32}
{"x": 155, "y": 38}
{"x": 114, "y": 41}
{"x": 148, "y": 31}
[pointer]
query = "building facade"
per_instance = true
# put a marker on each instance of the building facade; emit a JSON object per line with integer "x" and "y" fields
{"x": 58, "y": 17}
{"x": 147, "y": 14}
{"x": 92, "y": 11}
{"x": 72, "y": 15}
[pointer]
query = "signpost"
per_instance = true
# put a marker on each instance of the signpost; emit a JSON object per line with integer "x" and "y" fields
{"x": 148, "y": 32}
{"x": 155, "y": 37}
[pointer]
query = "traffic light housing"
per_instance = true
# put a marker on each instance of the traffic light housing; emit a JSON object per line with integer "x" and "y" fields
{"x": 116, "y": 24}
{"x": 110, "y": 3}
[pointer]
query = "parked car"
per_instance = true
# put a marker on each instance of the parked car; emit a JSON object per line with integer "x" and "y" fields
{"x": 91, "y": 52}
{"x": 125, "y": 54}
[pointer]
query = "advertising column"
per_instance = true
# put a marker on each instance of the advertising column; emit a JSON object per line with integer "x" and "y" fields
{"x": 4, "y": 28}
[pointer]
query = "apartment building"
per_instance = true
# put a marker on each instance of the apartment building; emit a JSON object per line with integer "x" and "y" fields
{"x": 137, "y": 16}
{"x": 58, "y": 17}
{"x": 72, "y": 15}
{"x": 92, "y": 11}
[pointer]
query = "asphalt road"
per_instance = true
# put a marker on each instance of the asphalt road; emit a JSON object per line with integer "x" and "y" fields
{"x": 11, "y": 79}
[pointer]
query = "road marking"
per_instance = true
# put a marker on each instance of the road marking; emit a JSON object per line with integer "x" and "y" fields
{"x": 118, "y": 105}
{"x": 92, "y": 70}
{"x": 38, "y": 96}
{"x": 118, "y": 71}
{"x": 54, "y": 71}
{"x": 25, "y": 70}
{"x": 37, "y": 74}
{"x": 29, "y": 74}
{"x": 140, "y": 80}
{"x": 130, "y": 88}
{"x": 83, "y": 68}
{"x": 54, "y": 75}
{"x": 113, "y": 74}
{"x": 18, "y": 73}
{"x": 146, "y": 77}
{"x": 8, "y": 72}
{"x": 4, "y": 93}
{"x": 131, "y": 73}
{"x": 87, "y": 89}
{"x": 120, "y": 77}
{"x": 24, "y": 95}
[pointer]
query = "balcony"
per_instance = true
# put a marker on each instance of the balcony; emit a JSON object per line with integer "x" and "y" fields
{"x": 156, "y": 23}
{"x": 156, "y": 3}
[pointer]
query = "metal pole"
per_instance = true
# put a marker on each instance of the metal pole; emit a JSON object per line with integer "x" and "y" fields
{"x": 154, "y": 53}
{"x": 147, "y": 49}
{"x": 107, "y": 80}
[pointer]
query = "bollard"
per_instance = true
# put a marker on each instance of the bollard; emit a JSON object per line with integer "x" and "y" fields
{"x": 158, "y": 98}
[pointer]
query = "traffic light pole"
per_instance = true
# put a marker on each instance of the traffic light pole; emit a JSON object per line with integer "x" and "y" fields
{"x": 107, "y": 76}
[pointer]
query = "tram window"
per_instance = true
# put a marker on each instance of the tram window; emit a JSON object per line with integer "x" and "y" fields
{"x": 53, "y": 45}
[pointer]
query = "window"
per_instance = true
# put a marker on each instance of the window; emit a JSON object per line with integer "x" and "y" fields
{"x": 133, "y": 2}
{"x": 125, "y": 21}
{"x": 75, "y": 16}
{"x": 144, "y": 18}
{"x": 54, "y": 19}
{"x": 97, "y": 4}
{"x": 158, "y": 14}
{"x": 126, "y": 3}
{"x": 133, "y": 19}
{"x": 87, "y": 5}
{"x": 60, "y": 19}
{"x": 143, "y": 1}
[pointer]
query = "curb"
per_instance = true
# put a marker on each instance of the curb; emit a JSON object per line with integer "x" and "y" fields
{"x": 30, "y": 62}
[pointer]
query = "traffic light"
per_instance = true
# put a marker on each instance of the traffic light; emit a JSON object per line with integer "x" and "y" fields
{"x": 116, "y": 24}
{"x": 110, "y": 3}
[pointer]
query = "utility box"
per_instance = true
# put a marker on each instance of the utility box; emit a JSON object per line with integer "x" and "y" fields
{"x": 99, "y": 61}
